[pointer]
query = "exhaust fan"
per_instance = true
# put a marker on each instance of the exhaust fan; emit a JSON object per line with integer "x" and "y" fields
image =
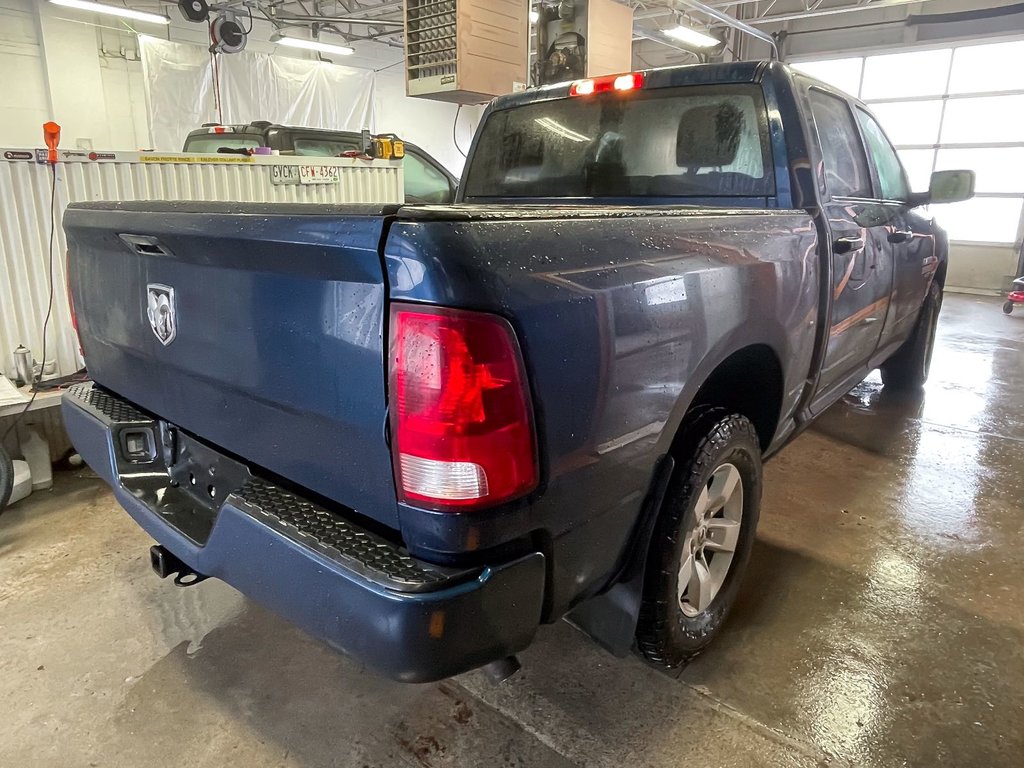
{"x": 197, "y": 11}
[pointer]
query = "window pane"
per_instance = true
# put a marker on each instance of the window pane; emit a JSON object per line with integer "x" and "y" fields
{"x": 844, "y": 74}
{"x": 991, "y": 118}
{"x": 424, "y": 182}
{"x": 994, "y": 67}
{"x": 918, "y": 165}
{"x": 697, "y": 141}
{"x": 911, "y": 122}
{"x": 998, "y": 170}
{"x": 213, "y": 142}
{"x": 325, "y": 147}
{"x": 887, "y": 165}
{"x": 921, "y": 73}
{"x": 983, "y": 219}
{"x": 846, "y": 169}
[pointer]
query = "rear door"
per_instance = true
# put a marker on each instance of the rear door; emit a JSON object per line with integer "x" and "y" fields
{"x": 860, "y": 253}
{"x": 256, "y": 328}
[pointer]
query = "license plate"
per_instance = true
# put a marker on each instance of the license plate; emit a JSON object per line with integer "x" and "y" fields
{"x": 319, "y": 174}
{"x": 304, "y": 174}
{"x": 284, "y": 174}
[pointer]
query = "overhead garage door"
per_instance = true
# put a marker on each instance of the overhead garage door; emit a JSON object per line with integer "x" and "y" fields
{"x": 954, "y": 107}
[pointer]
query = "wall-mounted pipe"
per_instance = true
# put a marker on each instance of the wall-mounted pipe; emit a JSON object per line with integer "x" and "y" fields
{"x": 339, "y": 20}
{"x": 832, "y": 11}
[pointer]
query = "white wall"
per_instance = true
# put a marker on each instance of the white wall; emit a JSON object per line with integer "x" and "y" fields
{"x": 83, "y": 71}
{"x": 24, "y": 100}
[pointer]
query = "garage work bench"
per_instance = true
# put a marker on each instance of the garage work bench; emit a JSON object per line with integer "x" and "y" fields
{"x": 31, "y": 434}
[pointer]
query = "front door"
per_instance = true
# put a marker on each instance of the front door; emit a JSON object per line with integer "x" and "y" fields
{"x": 858, "y": 242}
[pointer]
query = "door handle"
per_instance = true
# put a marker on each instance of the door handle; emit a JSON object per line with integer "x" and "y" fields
{"x": 145, "y": 245}
{"x": 847, "y": 244}
{"x": 899, "y": 236}
{"x": 868, "y": 321}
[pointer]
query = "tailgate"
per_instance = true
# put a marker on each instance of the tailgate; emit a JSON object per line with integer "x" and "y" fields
{"x": 258, "y": 328}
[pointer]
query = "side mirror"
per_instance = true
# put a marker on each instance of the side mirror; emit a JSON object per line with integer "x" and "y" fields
{"x": 947, "y": 187}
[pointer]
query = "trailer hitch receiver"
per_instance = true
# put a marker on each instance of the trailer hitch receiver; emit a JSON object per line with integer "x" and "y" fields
{"x": 165, "y": 563}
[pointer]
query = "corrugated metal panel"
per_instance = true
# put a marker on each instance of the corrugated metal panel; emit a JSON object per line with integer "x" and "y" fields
{"x": 25, "y": 219}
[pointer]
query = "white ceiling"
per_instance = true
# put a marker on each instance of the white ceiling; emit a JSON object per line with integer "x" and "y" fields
{"x": 353, "y": 19}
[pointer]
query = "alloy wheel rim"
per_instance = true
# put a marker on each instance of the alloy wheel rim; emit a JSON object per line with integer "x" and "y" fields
{"x": 710, "y": 545}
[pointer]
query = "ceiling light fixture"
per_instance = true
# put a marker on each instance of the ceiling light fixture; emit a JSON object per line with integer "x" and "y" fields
{"x": 312, "y": 45}
{"x": 692, "y": 37}
{"x": 113, "y": 10}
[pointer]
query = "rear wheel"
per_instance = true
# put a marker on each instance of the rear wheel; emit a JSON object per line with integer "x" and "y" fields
{"x": 908, "y": 367}
{"x": 702, "y": 540}
{"x": 1007, "y": 307}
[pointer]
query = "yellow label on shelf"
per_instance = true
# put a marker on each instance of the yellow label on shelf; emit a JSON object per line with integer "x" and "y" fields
{"x": 194, "y": 159}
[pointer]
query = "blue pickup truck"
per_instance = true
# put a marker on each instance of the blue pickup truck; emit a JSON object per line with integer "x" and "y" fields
{"x": 419, "y": 432}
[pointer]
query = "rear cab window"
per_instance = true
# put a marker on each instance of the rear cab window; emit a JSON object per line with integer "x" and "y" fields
{"x": 210, "y": 143}
{"x": 692, "y": 141}
{"x": 315, "y": 147}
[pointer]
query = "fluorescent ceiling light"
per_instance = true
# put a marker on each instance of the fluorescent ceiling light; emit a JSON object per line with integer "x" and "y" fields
{"x": 692, "y": 37}
{"x": 113, "y": 10}
{"x": 314, "y": 45}
{"x": 534, "y": 17}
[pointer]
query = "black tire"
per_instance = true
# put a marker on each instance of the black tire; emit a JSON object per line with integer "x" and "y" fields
{"x": 6, "y": 478}
{"x": 908, "y": 367}
{"x": 1007, "y": 307}
{"x": 666, "y": 635}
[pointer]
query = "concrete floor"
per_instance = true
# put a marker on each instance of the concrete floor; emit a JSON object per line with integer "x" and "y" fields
{"x": 880, "y": 625}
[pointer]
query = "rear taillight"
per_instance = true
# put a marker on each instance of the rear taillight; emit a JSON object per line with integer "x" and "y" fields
{"x": 461, "y": 424}
{"x": 630, "y": 81}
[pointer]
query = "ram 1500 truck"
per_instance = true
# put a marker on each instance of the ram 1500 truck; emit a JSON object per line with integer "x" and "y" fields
{"x": 420, "y": 432}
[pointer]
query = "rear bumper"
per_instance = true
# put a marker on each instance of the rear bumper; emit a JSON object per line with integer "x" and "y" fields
{"x": 361, "y": 594}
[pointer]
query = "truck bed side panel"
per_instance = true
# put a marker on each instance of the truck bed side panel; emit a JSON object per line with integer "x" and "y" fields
{"x": 621, "y": 314}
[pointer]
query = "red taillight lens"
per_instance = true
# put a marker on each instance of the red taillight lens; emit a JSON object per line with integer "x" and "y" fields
{"x": 461, "y": 424}
{"x": 627, "y": 82}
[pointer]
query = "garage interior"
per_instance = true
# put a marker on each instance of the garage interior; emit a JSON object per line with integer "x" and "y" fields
{"x": 881, "y": 620}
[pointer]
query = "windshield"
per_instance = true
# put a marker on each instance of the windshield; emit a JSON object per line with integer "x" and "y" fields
{"x": 211, "y": 142}
{"x": 701, "y": 141}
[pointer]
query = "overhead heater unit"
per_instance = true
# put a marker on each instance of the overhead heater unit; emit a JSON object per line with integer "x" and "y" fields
{"x": 465, "y": 51}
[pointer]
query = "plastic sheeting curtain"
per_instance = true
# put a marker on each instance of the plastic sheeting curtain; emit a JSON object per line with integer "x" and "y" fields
{"x": 253, "y": 86}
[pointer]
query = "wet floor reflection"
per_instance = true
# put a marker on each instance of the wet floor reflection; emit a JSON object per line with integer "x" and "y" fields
{"x": 880, "y": 624}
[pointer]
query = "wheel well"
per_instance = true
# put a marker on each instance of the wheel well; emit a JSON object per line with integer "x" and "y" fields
{"x": 748, "y": 382}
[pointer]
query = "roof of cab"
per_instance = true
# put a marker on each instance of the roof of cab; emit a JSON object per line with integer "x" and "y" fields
{"x": 663, "y": 77}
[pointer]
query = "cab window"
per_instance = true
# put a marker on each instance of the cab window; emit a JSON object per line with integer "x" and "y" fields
{"x": 425, "y": 182}
{"x": 891, "y": 178}
{"x": 211, "y": 142}
{"x": 325, "y": 147}
{"x": 846, "y": 168}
